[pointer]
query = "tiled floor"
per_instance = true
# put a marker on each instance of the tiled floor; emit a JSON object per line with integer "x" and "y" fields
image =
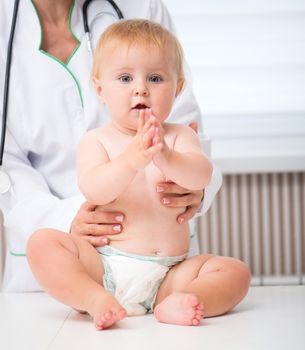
{"x": 269, "y": 318}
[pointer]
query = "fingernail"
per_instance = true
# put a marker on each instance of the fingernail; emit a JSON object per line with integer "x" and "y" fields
{"x": 105, "y": 240}
{"x": 166, "y": 201}
{"x": 160, "y": 188}
{"x": 119, "y": 218}
{"x": 117, "y": 228}
{"x": 181, "y": 220}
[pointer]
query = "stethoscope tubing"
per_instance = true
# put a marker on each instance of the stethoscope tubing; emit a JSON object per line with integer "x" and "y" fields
{"x": 7, "y": 79}
{"x": 85, "y": 19}
{"x": 85, "y": 13}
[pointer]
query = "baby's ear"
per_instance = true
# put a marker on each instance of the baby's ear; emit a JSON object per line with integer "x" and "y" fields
{"x": 180, "y": 86}
{"x": 97, "y": 86}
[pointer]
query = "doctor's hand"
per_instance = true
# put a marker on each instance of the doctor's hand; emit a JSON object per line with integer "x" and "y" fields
{"x": 175, "y": 196}
{"x": 94, "y": 226}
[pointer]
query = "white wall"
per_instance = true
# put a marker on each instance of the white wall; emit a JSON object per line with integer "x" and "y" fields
{"x": 248, "y": 64}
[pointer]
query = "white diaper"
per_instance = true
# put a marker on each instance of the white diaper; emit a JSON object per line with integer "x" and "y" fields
{"x": 135, "y": 279}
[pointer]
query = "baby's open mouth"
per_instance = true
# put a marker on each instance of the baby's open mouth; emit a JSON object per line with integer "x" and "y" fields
{"x": 140, "y": 106}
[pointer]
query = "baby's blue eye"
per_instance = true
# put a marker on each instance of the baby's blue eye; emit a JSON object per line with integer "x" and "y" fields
{"x": 125, "y": 78}
{"x": 155, "y": 78}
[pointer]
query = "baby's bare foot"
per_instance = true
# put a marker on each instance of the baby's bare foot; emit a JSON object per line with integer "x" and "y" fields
{"x": 180, "y": 308}
{"x": 106, "y": 311}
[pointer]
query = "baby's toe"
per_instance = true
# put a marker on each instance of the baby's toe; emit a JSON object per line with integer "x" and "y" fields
{"x": 121, "y": 314}
{"x": 198, "y": 317}
{"x": 108, "y": 315}
{"x": 195, "y": 322}
{"x": 99, "y": 325}
{"x": 200, "y": 306}
{"x": 200, "y": 312}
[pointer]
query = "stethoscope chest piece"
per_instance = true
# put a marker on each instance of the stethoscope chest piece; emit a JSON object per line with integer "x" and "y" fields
{"x": 5, "y": 182}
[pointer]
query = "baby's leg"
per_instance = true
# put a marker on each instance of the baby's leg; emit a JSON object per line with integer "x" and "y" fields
{"x": 214, "y": 283}
{"x": 70, "y": 270}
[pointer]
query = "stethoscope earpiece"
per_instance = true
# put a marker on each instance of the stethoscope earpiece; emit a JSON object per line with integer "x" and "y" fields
{"x": 5, "y": 182}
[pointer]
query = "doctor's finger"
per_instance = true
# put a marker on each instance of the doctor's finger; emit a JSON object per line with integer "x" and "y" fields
{"x": 102, "y": 230}
{"x": 171, "y": 187}
{"x": 98, "y": 241}
{"x": 87, "y": 206}
{"x": 191, "y": 199}
{"x": 103, "y": 217}
{"x": 189, "y": 213}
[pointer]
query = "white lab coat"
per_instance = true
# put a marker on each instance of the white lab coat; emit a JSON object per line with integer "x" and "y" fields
{"x": 51, "y": 106}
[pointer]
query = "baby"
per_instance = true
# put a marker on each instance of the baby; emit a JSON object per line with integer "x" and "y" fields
{"x": 138, "y": 73}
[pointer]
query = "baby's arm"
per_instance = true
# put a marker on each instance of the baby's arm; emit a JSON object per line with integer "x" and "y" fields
{"x": 102, "y": 180}
{"x": 185, "y": 164}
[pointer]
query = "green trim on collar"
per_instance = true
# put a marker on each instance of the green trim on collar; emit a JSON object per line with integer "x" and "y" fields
{"x": 17, "y": 254}
{"x": 65, "y": 65}
{"x": 69, "y": 71}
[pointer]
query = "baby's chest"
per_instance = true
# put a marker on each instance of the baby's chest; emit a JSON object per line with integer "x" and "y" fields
{"x": 144, "y": 184}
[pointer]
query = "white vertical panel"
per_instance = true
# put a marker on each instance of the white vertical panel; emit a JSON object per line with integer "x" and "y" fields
{"x": 276, "y": 214}
{"x": 245, "y": 223}
{"x": 257, "y": 267}
{"x": 296, "y": 195}
{"x": 287, "y": 225}
{"x": 235, "y": 236}
{"x": 224, "y": 218}
{"x": 214, "y": 229}
{"x": 265, "y": 224}
{"x": 203, "y": 235}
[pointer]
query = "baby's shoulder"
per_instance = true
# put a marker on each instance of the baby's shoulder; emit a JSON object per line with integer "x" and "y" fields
{"x": 178, "y": 129}
{"x": 97, "y": 137}
{"x": 97, "y": 133}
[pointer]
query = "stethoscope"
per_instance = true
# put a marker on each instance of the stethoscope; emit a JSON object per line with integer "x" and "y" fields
{"x": 5, "y": 182}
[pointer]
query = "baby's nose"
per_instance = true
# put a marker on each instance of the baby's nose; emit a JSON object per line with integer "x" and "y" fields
{"x": 141, "y": 90}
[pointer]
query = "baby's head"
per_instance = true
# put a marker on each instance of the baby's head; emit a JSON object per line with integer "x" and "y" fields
{"x": 141, "y": 33}
{"x": 138, "y": 64}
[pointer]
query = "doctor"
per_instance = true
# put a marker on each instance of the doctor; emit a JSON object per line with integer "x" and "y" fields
{"x": 52, "y": 104}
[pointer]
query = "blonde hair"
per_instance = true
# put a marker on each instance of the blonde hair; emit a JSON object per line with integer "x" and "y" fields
{"x": 142, "y": 32}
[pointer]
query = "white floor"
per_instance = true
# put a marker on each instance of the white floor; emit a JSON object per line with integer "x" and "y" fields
{"x": 268, "y": 318}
